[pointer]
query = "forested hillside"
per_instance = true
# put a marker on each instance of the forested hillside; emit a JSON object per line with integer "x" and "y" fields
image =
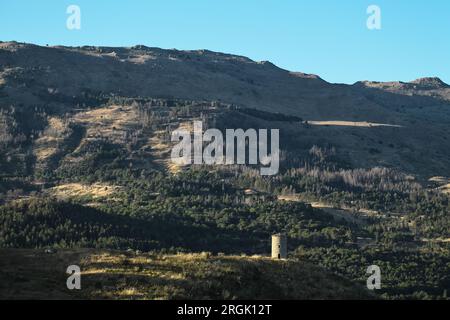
{"x": 85, "y": 143}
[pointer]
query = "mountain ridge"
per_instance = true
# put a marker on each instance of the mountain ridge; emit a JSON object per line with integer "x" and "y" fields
{"x": 428, "y": 80}
{"x": 144, "y": 71}
{"x": 62, "y": 80}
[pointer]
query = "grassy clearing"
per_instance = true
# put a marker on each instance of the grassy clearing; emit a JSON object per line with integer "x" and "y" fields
{"x": 363, "y": 124}
{"x": 442, "y": 183}
{"x": 110, "y": 123}
{"x": 446, "y": 188}
{"x": 96, "y": 191}
{"x": 46, "y": 145}
{"x": 161, "y": 149}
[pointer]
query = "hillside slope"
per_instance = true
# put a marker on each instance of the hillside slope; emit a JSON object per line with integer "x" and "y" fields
{"x": 34, "y": 74}
{"x": 38, "y": 83}
{"x": 32, "y": 274}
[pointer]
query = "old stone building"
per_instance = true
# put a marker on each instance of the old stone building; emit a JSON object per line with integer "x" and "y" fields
{"x": 279, "y": 246}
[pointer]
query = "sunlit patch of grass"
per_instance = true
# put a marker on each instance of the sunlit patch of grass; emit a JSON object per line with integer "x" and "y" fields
{"x": 132, "y": 275}
{"x": 363, "y": 124}
{"x": 95, "y": 191}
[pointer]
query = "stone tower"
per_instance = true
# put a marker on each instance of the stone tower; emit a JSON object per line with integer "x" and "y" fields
{"x": 279, "y": 246}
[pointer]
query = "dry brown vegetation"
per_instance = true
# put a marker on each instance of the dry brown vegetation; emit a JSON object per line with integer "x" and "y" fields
{"x": 443, "y": 183}
{"x": 33, "y": 274}
{"x": 47, "y": 144}
{"x": 95, "y": 191}
{"x": 351, "y": 124}
{"x": 111, "y": 122}
{"x": 338, "y": 114}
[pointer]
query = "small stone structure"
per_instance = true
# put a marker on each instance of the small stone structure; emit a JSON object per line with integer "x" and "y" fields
{"x": 279, "y": 246}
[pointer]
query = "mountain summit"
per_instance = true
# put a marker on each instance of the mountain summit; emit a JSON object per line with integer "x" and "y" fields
{"x": 430, "y": 83}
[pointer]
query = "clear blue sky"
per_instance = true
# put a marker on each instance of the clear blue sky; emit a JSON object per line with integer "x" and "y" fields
{"x": 325, "y": 37}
